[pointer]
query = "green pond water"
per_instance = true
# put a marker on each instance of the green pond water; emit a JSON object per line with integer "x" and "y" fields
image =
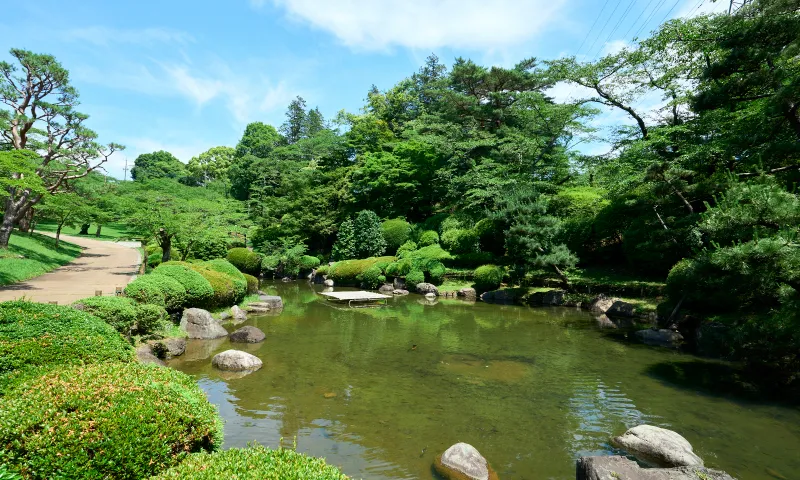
{"x": 532, "y": 388}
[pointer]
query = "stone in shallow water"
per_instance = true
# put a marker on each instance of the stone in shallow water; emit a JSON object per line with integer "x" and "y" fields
{"x": 199, "y": 324}
{"x": 238, "y": 314}
{"x": 247, "y": 334}
{"x": 236, "y": 361}
{"x": 622, "y": 468}
{"x": 659, "y": 446}
{"x": 463, "y": 461}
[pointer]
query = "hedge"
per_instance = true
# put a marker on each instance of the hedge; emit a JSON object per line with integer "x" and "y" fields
{"x": 106, "y": 421}
{"x": 371, "y": 278}
{"x": 198, "y": 291}
{"x": 253, "y": 463}
{"x": 308, "y": 262}
{"x": 415, "y": 277}
{"x": 150, "y": 319}
{"x": 225, "y": 291}
{"x": 350, "y": 272}
{"x": 399, "y": 268}
{"x": 429, "y": 237}
{"x": 245, "y": 260}
{"x": 34, "y": 335}
{"x": 488, "y": 277}
{"x": 436, "y": 273}
{"x": 252, "y": 283}
{"x": 322, "y": 270}
{"x": 409, "y": 246}
{"x": 119, "y": 312}
{"x": 157, "y": 289}
{"x": 396, "y": 232}
{"x": 226, "y": 267}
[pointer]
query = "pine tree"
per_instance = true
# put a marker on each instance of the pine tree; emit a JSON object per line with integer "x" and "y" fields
{"x": 292, "y": 128}
{"x": 369, "y": 241}
{"x": 345, "y": 246}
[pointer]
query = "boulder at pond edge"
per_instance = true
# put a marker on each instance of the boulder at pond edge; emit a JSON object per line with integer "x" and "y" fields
{"x": 199, "y": 324}
{"x": 247, "y": 334}
{"x": 622, "y": 468}
{"x": 462, "y": 461}
{"x": 236, "y": 361}
{"x": 658, "y": 446}
{"x": 425, "y": 288}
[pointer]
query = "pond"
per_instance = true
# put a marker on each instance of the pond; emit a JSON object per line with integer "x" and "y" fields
{"x": 380, "y": 392}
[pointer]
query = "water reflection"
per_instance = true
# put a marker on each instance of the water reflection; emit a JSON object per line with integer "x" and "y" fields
{"x": 381, "y": 392}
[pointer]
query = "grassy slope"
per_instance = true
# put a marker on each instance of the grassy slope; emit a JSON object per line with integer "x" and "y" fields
{"x": 111, "y": 231}
{"x": 39, "y": 254}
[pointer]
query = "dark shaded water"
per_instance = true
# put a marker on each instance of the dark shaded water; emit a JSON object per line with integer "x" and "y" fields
{"x": 532, "y": 389}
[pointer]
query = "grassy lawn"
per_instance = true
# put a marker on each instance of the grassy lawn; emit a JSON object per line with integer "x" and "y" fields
{"x": 29, "y": 257}
{"x": 111, "y": 231}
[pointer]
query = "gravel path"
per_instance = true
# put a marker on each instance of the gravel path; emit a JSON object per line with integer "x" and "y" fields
{"x": 100, "y": 266}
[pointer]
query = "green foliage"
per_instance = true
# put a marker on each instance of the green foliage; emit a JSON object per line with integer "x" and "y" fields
{"x": 286, "y": 263}
{"x": 35, "y": 335}
{"x": 210, "y": 246}
{"x": 460, "y": 241}
{"x": 428, "y": 237}
{"x": 370, "y": 278}
{"x": 436, "y": 271}
{"x": 345, "y": 246}
{"x": 31, "y": 256}
{"x": 106, "y": 421}
{"x": 351, "y": 272}
{"x": 369, "y": 241}
{"x": 469, "y": 260}
{"x": 396, "y": 232}
{"x": 245, "y": 261}
{"x": 226, "y": 267}
{"x": 211, "y": 165}
{"x": 399, "y": 268}
{"x": 252, "y": 284}
{"x": 119, "y": 312}
{"x": 322, "y": 270}
{"x": 488, "y": 277}
{"x": 160, "y": 164}
{"x": 154, "y": 259}
{"x": 150, "y": 319}
{"x": 408, "y": 246}
{"x": 415, "y": 277}
{"x": 223, "y": 285}
{"x": 253, "y": 463}
{"x": 156, "y": 289}
{"x": 198, "y": 290}
{"x": 307, "y": 262}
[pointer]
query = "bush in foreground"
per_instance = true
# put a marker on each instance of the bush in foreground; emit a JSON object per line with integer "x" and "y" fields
{"x": 253, "y": 463}
{"x": 198, "y": 291}
{"x": 428, "y": 237}
{"x": 245, "y": 261}
{"x": 156, "y": 289}
{"x": 222, "y": 285}
{"x": 488, "y": 277}
{"x": 415, "y": 277}
{"x": 106, "y": 421}
{"x": 252, "y": 283}
{"x": 226, "y": 267}
{"x": 350, "y": 272}
{"x": 34, "y": 335}
{"x": 119, "y": 312}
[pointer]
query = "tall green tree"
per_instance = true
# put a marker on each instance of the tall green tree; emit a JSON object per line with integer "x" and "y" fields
{"x": 64, "y": 209}
{"x": 211, "y": 165}
{"x": 369, "y": 241}
{"x": 160, "y": 164}
{"x": 294, "y": 128}
{"x": 40, "y": 116}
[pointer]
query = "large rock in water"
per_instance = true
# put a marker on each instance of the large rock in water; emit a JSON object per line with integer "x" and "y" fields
{"x": 272, "y": 301}
{"x": 199, "y": 324}
{"x": 238, "y": 314}
{"x": 168, "y": 347}
{"x": 386, "y": 288}
{"x": 425, "y": 288}
{"x": 462, "y": 461}
{"x": 236, "y": 361}
{"x": 663, "y": 337}
{"x": 467, "y": 294}
{"x": 247, "y": 334}
{"x": 622, "y": 468}
{"x": 621, "y": 309}
{"x": 658, "y": 446}
{"x": 601, "y": 303}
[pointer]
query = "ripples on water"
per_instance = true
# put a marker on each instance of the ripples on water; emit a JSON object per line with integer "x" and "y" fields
{"x": 532, "y": 389}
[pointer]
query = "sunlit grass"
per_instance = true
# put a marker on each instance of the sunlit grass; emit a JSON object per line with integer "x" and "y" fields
{"x": 31, "y": 256}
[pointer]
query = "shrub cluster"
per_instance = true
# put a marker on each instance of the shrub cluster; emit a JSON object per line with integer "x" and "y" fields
{"x": 209, "y": 247}
{"x": 253, "y": 463}
{"x": 227, "y": 268}
{"x": 429, "y": 237}
{"x": 415, "y": 277}
{"x": 124, "y": 314}
{"x": 308, "y": 262}
{"x": 408, "y": 246}
{"x": 222, "y": 285}
{"x": 460, "y": 241}
{"x": 360, "y": 272}
{"x": 245, "y": 260}
{"x": 252, "y": 283}
{"x": 396, "y": 232}
{"x": 488, "y": 277}
{"x": 198, "y": 290}
{"x": 322, "y": 270}
{"x": 106, "y": 421}
{"x": 34, "y": 335}
{"x": 426, "y": 260}
{"x": 159, "y": 290}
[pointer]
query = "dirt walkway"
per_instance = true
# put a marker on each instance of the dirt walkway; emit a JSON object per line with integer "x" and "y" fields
{"x": 100, "y": 266}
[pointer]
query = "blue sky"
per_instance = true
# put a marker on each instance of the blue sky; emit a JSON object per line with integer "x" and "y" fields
{"x": 185, "y": 76}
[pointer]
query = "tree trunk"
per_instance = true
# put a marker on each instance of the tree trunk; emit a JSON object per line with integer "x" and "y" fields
{"x": 97, "y": 233}
{"x": 24, "y": 223}
{"x": 58, "y": 233}
{"x": 166, "y": 245}
{"x": 562, "y": 276}
{"x": 84, "y": 229}
{"x": 7, "y": 225}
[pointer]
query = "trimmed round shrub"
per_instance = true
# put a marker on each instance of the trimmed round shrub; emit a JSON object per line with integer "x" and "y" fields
{"x": 152, "y": 248}
{"x": 460, "y": 240}
{"x": 396, "y": 232}
{"x": 436, "y": 273}
{"x": 488, "y": 277}
{"x": 198, "y": 290}
{"x": 154, "y": 260}
{"x": 210, "y": 247}
{"x": 371, "y": 277}
{"x": 308, "y": 262}
{"x": 253, "y": 463}
{"x": 252, "y": 283}
{"x": 415, "y": 277}
{"x": 236, "y": 243}
{"x": 428, "y": 237}
{"x": 350, "y": 272}
{"x": 222, "y": 285}
{"x": 106, "y": 421}
{"x": 157, "y": 289}
{"x": 174, "y": 293}
{"x": 119, "y": 312}
{"x": 409, "y": 246}
{"x": 34, "y": 335}
{"x": 226, "y": 267}
{"x": 150, "y": 319}
{"x": 322, "y": 270}
{"x": 399, "y": 268}
{"x": 245, "y": 261}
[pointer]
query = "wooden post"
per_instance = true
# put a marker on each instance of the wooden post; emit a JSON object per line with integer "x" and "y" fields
{"x": 98, "y": 293}
{"x": 118, "y": 291}
{"x": 53, "y": 302}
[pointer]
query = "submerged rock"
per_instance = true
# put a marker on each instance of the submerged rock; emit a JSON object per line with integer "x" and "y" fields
{"x": 236, "y": 361}
{"x": 463, "y": 461}
{"x": 622, "y": 468}
{"x": 247, "y": 334}
{"x": 662, "y": 337}
{"x": 199, "y": 324}
{"x": 272, "y": 301}
{"x": 658, "y": 446}
{"x": 467, "y": 294}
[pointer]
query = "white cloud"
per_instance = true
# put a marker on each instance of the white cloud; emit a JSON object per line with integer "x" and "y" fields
{"x": 146, "y": 36}
{"x": 425, "y": 24}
